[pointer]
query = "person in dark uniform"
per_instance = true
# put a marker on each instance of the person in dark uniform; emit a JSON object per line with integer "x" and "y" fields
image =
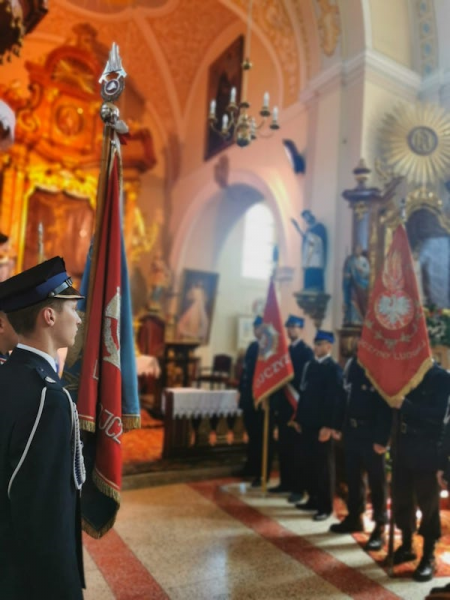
{"x": 41, "y": 464}
{"x": 367, "y": 423}
{"x": 321, "y": 396}
{"x": 284, "y": 405}
{"x": 253, "y": 416}
{"x": 416, "y": 464}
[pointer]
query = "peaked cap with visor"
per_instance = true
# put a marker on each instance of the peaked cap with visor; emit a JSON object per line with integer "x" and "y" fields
{"x": 44, "y": 281}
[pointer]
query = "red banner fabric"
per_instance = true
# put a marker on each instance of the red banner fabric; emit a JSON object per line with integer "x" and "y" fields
{"x": 99, "y": 394}
{"x": 274, "y": 367}
{"x": 394, "y": 349}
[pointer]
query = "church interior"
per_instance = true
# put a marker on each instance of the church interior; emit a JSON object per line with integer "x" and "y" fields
{"x": 252, "y": 125}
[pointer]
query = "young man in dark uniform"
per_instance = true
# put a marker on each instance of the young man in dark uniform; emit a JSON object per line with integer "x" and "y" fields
{"x": 415, "y": 468}
{"x": 284, "y": 404}
{"x": 367, "y": 423}
{"x": 41, "y": 465}
{"x": 253, "y": 416}
{"x": 321, "y": 397}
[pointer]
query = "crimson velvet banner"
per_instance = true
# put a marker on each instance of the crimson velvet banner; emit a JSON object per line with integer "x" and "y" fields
{"x": 101, "y": 373}
{"x": 394, "y": 349}
{"x": 274, "y": 367}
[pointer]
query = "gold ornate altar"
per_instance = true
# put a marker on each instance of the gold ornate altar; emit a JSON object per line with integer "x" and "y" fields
{"x": 414, "y": 171}
{"x": 49, "y": 175}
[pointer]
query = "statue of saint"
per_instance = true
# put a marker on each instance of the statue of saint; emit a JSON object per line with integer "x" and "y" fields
{"x": 160, "y": 280}
{"x": 355, "y": 286}
{"x": 314, "y": 252}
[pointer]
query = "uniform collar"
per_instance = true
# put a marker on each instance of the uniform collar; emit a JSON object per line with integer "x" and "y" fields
{"x": 295, "y": 342}
{"x": 47, "y": 357}
{"x": 323, "y": 358}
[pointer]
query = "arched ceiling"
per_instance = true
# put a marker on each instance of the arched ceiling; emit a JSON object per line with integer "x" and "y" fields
{"x": 163, "y": 43}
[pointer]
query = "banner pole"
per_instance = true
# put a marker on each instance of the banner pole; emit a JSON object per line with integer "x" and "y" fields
{"x": 265, "y": 446}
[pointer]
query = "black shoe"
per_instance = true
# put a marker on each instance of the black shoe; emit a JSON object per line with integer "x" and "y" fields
{"x": 404, "y": 554}
{"x": 376, "y": 540}
{"x": 295, "y": 498}
{"x": 278, "y": 489}
{"x": 310, "y": 505}
{"x": 425, "y": 569}
{"x": 348, "y": 525}
{"x": 321, "y": 516}
{"x": 256, "y": 483}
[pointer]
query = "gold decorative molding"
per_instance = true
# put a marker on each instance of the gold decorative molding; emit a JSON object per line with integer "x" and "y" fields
{"x": 184, "y": 37}
{"x": 299, "y": 7}
{"x": 329, "y": 25}
{"x": 273, "y": 20}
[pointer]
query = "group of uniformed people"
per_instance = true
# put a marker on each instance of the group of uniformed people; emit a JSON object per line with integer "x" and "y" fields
{"x": 334, "y": 405}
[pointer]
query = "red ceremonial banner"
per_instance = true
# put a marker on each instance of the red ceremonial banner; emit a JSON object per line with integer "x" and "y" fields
{"x": 100, "y": 389}
{"x": 394, "y": 349}
{"x": 274, "y": 367}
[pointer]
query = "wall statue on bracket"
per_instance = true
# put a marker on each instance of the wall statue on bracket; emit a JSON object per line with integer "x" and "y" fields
{"x": 314, "y": 252}
{"x": 313, "y": 299}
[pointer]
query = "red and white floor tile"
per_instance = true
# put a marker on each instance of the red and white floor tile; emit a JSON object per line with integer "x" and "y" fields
{"x": 220, "y": 540}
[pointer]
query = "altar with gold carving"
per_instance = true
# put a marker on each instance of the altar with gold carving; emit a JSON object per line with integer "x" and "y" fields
{"x": 49, "y": 175}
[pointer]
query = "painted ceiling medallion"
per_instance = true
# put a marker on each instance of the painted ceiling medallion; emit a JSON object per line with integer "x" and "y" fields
{"x": 415, "y": 142}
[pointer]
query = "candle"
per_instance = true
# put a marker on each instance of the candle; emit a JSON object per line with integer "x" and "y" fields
{"x": 224, "y": 121}
{"x": 212, "y": 107}
{"x": 266, "y": 99}
{"x": 233, "y": 95}
{"x": 275, "y": 113}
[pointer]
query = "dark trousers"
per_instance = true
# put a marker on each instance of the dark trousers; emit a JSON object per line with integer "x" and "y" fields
{"x": 318, "y": 469}
{"x": 412, "y": 488}
{"x": 254, "y": 426}
{"x": 360, "y": 457}
{"x": 289, "y": 458}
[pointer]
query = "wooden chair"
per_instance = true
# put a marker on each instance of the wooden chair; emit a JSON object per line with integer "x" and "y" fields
{"x": 219, "y": 374}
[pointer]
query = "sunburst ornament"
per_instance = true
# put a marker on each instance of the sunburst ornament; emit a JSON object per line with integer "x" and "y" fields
{"x": 415, "y": 142}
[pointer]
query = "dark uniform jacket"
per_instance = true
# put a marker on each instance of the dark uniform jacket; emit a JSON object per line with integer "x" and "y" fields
{"x": 246, "y": 381}
{"x": 421, "y": 420}
{"x": 321, "y": 395}
{"x": 366, "y": 414}
{"x": 40, "y": 528}
{"x": 300, "y": 354}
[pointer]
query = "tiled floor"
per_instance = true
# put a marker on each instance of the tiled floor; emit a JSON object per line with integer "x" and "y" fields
{"x": 220, "y": 540}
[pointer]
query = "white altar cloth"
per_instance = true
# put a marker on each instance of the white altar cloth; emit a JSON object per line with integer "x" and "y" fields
{"x": 195, "y": 402}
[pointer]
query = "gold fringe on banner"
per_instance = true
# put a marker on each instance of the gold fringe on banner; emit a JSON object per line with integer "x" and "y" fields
{"x": 86, "y": 425}
{"x": 130, "y": 422}
{"x": 96, "y": 533}
{"x": 395, "y": 401}
{"x": 105, "y": 489}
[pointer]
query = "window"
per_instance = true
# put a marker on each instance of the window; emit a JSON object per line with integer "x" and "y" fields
{"x": 257, "y": 261}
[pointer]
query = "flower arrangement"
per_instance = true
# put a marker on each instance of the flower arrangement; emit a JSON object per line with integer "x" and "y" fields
{"x": 438, "y": 325}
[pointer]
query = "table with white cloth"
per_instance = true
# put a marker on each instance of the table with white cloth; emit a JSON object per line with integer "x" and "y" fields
{"x": 198, "y": 421}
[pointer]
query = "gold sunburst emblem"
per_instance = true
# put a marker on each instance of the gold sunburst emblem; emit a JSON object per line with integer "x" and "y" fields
{"x": 416, "y": 142}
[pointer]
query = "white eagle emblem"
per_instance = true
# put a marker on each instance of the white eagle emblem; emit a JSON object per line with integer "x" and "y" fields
{"x": 268, "y": 342}
{"x": 394, "y": 308}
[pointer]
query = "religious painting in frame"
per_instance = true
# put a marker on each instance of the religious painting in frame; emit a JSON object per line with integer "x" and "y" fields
{"x": 196, "y": 307}
{"x": 224, "y": 74}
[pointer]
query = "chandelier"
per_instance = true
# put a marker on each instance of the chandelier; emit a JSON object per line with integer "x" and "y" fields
{"x": 237, "y": 123}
